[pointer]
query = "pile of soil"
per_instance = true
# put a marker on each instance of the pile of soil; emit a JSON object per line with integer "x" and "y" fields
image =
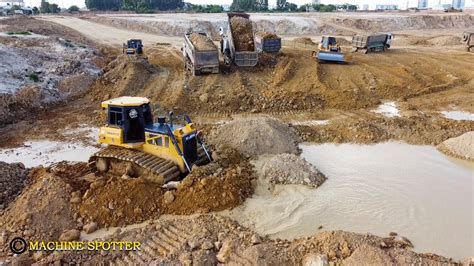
{"x": 414, "y": 130}
{"x": 202, "y": 43}
{"x": 292, "y": 169}
{"x": 256, "y": 136}
{"x": 460, "y": 147}
{"x": 222, "y": 184}
{"x": 304, "y": 40}
{"x": 124, "y": 76}
{"x": 41, "y": 213}
{"x": 243, "y": 34}
{"x": 267, "y": 35}
{"x": 214, "y": 240}
{"x": 13, "y": 178}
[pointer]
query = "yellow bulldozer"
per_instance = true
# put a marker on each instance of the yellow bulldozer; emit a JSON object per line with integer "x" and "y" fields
{"x": 330, "y": 51}
{"x": 138, "y": 147}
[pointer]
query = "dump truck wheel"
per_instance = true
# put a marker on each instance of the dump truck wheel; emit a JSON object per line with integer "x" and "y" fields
{"x": 102, "y": 165}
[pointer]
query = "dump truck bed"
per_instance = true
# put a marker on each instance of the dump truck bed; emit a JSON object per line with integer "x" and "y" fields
{"x": 241, "y": 58}
{"x": 366, "y": 41}
{"x": 272, "y": 45}
{"x": 205, "y": 59}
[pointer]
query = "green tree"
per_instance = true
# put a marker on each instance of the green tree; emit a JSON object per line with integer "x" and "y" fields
{"x": 291, "y": 7}
{"x": 54, "y": 8}
{"x": 35, "y": 10}
{"x": 243, "y": 5}
{"x": 73, "y": 9}
{"x": 280, "y": 4}
{"x": 44, "y": 7}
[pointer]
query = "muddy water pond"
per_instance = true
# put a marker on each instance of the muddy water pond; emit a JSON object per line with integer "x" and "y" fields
{"x": 415, "y": 191}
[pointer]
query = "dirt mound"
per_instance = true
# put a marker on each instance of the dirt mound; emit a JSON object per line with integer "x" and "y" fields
{"x": 243, "y": 33}
{"x": 213, "y": 240}
{"x": 267, "y": 35}
{"x": 292, "y": 169}
{"x": 42, "y": 212}
{"x": 124, "y": 76}
{"x": 202, "y": 43}
{"x": 13, "y": 178}
{"x": 304, "y": 40}
{"x": 445, "y": 41}
{"x": 460, "y": 147}
{"x": 256, "y": 136}
{"x": 222, "y": 184}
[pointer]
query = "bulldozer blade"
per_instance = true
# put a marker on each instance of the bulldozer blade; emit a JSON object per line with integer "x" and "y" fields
{"x": 331, "y": 57}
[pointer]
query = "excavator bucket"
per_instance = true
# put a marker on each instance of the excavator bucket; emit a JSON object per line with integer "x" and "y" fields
{"x": 331, "y": 57}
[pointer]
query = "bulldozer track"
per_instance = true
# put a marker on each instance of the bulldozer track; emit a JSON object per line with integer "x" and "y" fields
{"x": 165, "y": 241}
{"x": 157, "y": 169}
{"x": 163, "y": 170}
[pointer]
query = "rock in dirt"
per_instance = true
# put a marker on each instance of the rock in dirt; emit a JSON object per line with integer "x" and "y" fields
{"x": 202, "y": 43}
{"x": 168, "y": 197}
{"x": 13, "y": 178}
{"x": 292, "y": 169}
{"x": 461, "y": 147}
{"x": 91, "y": 227}
{"x": 243, "y": 33}
{"x": 368, "y": 255}
{"x": 315, "y": 260}
{"x": 70, "y": 235}
{"x": 256, "y": 136}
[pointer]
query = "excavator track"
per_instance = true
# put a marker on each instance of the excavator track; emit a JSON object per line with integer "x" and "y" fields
{"x": 134, "y": 163}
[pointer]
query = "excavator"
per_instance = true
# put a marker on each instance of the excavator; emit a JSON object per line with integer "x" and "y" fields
{"x": 137, "y": 147}
{"x": 133, "y": 46}
{"x": 329, "y": 51}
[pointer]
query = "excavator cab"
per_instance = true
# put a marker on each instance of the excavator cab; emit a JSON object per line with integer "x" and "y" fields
{"x": 133, "y": 46}
{"x": 165, "y": 149}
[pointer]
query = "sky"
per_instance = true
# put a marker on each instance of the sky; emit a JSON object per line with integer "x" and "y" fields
{"x": 80, "y": 3}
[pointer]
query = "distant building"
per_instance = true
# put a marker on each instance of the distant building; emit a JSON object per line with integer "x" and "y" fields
{"x": 422, "y": 4}
{"x": 365, "y": 7}
{"x": 316, "y": 2}
{"x": 386, "y": 7}
{"x": 458, "y": 4}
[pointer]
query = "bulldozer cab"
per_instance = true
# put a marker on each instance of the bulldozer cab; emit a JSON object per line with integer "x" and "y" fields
{"x": 329, "y": 44}
{"x": 131, "y": 115}
{"x": 133, "y": 46}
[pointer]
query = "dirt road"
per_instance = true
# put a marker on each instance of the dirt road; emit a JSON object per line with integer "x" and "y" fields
{"x": 109, "y": 35}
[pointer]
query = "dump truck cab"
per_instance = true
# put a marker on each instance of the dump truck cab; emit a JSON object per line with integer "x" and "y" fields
{"x": 133, "y": 46}
{"x": 130, "y": 125}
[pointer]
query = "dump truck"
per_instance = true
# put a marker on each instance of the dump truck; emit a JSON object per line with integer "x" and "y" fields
{"x": 137, "y": 147}
{"x": 133, "y": 46}
{"x": 372, "y": 43}
{"x": 267, "y": 42}
{"x": 468, "y": 40}
{"x": 200, "y": 54}
{"x": 329, "y": 51}
{"x": 237, "y": 44}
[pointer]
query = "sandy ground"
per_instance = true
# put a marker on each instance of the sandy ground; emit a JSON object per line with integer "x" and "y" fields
{"x": 322, "y": 102}
{"x": 108, "y": 35}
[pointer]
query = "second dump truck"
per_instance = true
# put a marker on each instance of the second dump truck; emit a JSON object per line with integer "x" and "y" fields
{"x": 267, "y": 42}
{"x": 200, "y": 54}
{"x": 238, "y": 45}
{"x": 372, "y": 43}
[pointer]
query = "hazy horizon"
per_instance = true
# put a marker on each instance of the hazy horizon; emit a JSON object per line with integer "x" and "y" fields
{"x": 81, "y": 3}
